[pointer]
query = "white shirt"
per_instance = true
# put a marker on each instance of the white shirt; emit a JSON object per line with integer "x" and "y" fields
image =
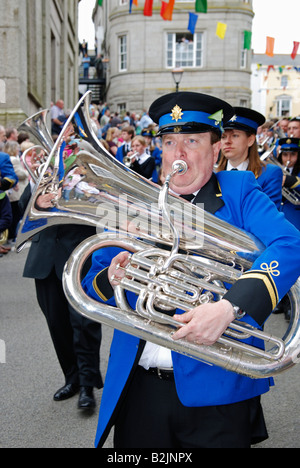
{"x": 241, "y": 167}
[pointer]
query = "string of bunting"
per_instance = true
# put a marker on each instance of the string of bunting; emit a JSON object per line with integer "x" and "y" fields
{"x": 166, "y": 13}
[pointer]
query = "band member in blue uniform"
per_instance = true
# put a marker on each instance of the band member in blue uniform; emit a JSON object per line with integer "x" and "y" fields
{"x": 289, "y": 157}
{"x": 193, "y": 404}
{"x": 239, "y": 151}
{"x": 8, "y": 177}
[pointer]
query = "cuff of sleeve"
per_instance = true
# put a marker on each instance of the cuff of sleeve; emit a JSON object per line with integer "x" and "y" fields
{"x": 102, "y": 286}
{"x": 7, "y": 184}
{"x": 291, "y": 181}
{"x": 256, "y": 294}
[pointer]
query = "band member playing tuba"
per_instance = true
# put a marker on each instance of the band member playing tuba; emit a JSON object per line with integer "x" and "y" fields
{"x": 158, "y": 398}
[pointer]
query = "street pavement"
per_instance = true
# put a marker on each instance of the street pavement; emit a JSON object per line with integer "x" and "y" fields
{"x": 30, "y": 375}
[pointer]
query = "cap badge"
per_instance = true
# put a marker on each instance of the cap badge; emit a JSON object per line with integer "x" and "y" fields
{"x": 233, "y": 118}
{"x": 288, "y": 142}
{"x": 177, "y": 113}
{"x": 218, "y": 117}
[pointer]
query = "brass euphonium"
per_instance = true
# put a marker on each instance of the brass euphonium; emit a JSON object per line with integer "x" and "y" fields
{"x": 182, "y": 256}
{"x": 37, "y": 128}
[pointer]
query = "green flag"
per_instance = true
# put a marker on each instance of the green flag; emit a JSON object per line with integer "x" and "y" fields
{"x": 247, "y": 40}
{"x": 201, "y": 6}
{"x": 100, "y": 2}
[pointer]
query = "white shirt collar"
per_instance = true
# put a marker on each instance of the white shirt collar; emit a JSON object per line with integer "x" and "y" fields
{"x": 241, "y": 167}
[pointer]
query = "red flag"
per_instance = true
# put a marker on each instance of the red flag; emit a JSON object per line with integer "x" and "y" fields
{"x": 148, "y": 7}
{"x": 166, "y": 11}
{"x": 295, "y": 50}
{"x": 270, "y": 46}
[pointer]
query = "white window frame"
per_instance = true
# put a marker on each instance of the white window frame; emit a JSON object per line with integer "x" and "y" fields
{"x": 123, "y": 53}
{"x": 194, "y": 48}
{"x": 279, "y": 105}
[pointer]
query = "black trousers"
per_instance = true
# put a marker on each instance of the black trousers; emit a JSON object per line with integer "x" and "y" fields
{"x": 76, "y": 339}
{"x": 152, "y": 416}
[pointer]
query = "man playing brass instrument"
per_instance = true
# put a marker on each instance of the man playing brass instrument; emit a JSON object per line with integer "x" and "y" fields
{"x": 157, "y": 398}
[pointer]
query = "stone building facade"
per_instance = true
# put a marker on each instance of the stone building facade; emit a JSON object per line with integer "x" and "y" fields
{"x": 141, "y": 51}
{"x": 39, "y": 56}
{"x": 275, "y": 85}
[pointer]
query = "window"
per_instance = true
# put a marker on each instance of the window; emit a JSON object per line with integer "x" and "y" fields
{"x": 122, "y": 108}
{"x": 184, "y": 50}
{"x": 122, "y": 53}
{"x": 243, "y": 102}
{"x": 284, "y": 105}
{"x": 284, "y": 81}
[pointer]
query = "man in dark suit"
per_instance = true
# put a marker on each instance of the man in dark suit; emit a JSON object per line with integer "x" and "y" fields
{"x": 76, "y": 339}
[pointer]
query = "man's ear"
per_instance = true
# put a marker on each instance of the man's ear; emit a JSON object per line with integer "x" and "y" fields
{"x": 216, "y": 149}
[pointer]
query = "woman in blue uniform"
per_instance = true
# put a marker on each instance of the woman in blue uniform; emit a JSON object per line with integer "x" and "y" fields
{"x": 192, "y": 404}
{"x": 289, "y": 157}
{"x": 239, "y": 152}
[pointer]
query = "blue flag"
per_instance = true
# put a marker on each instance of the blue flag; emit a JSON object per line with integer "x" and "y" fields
{"x": 193, "y": 18}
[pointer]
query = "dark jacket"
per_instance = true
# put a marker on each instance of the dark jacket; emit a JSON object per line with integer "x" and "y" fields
{"x": 5, "y": 212}
{"x": 50, "y": 249}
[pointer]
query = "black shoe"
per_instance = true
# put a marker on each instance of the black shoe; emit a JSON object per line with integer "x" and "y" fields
{"x": 68, "y": 391}
{"x": 86, "y": 398}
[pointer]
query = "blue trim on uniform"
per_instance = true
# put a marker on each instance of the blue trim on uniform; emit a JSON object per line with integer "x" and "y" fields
{"x": 290, "y": 146}
{"x": 244, "y": 121}
{"x": 188, "y": 116}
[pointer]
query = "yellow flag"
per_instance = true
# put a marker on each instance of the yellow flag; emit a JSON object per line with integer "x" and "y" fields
{"x": 221, "y": 30}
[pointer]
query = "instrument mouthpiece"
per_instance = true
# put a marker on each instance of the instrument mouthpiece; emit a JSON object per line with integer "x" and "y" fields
{"x": 180, "y": 167}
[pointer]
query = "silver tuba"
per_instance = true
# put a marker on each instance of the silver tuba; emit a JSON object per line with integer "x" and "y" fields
{"x": 181, "y": 256}
{"x": 37, "y": 128}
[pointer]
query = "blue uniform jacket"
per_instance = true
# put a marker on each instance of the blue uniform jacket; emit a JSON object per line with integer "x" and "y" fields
{"x": 292, "y": 212}
{"x": 236, "y": 198}
{"x": 8, "y": 177}
{"x": 270, "y": 181}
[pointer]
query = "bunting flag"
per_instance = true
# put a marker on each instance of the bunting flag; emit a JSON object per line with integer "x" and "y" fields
{"x": 100, "y": 2}
{"x": 133, "y": 2}
{"x": 201, "y": 6}
{"x": 221, "y": 30}
{"x": 247, "y": 40}
{"x": 270, "y": 46}
{"x": 295, "y": 50}
{"x": 193, "y": 18}
{"x": 166, "y": 11}
{"x": 148, "y": 7}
